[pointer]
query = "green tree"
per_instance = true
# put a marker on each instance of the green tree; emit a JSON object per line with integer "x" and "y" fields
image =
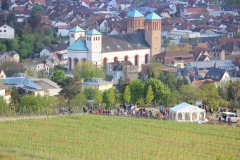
{"x": 98, "y": 96}
{"x": 88, "y": 70}
{"x": 149, "y": 95}
{"x": 5, "y": 5}
{"x": 3, "y": 107}
{"x": 187, "y": 47}
{"x": 11, "y": 68}
{"x": 3, "y": 48}
{"x": 58, "y": 76}
{"x": 78, "y": 101}
{"x": 174, "y": 98}
{"x": 198, "y": 40}
{"x": 188, "y": 94}
{"x": 209, "y": 95}
{"x": 47, "y": 102}
{"x": 15, "y": 98}
{"x": 215, "y": 2}
{"x": 70, "y": 87}
{"x": 121, "y": 85}
{"x": 48, "y": 32}
{"x": 171, "y": 81}
{"x": 111, "y": 97}
{"x": 37, "y": 8}
{"x": 127, "y": 95}
{"x": 30, "y": 102}
{"x": 166, "y": 42}
{"x": 154, "y": 70}
{"x": 136, "y": 90}
{"x": 89, "y": 92}
{"x": 204, "y": 10}
{"x": 160, "y": 90}
{"x": 173, "y": 47}
{"x": 234, "y": 93}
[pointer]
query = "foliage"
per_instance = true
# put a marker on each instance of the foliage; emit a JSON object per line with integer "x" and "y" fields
{"x": 198, "y": 40}
{"x": 121, "y": 85}
{"x": 136, "y": 90}
{"x": 127, "y": 94}
{"x": 204, "y": 10}
{"x": 98, "y": 96}
{"x": 237, "y": 35}
{"x": 42, "y": 74}
{"x": 3, "y": 48}
{"x": 149, "y": 95}
{"x": 188, "y": 93}
{"x": 30, "y": 102}
{"x": 11, "y": 68}
{"x": 224, "y": 35}
{"x": 154, "y": 70}
{"x": 30, "y": 73}
{"x": 173, "y": 47}
{"x": 232, "y": 2}
{"x": 187, "y": 47}
{"x": 111, "y": 96}
{"x": 58, "y": 76}
{"x": 5, "y": 5}
{"x": 70, "y": 87}
{"x": 166, "y": 42}
{"x": 59, "y": 67}
{"x": 161, "y": 91}
{"x": 209, "y": 95}
{"x": 234, "y": 93}
{"x": 171, "y": 82}
{"x": 47, "y": 102}
{"x": 215, "y": 2}
{"x": 15, "y": 98}
{"x": 89, "y": 93}
{"x": 174, "y": 98}
{"x": 3, "y": 107}
{"x": 79, "y": 100}
{"x": 87, "y": 70}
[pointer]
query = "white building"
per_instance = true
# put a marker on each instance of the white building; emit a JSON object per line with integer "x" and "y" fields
{"x": 135, "y": 46}
{"x": 6, "y": 31}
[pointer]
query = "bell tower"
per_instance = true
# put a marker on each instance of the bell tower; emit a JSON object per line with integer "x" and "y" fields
{"x": 75, "y": 33}
{"x": 135, "y": 21}
{"x": 153, "y": 32}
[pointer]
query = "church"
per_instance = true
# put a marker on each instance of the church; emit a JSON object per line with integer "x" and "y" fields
{"x": 141, "y": 42}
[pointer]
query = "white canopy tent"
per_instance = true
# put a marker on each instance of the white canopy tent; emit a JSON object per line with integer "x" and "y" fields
{"x": 185, "y": 112}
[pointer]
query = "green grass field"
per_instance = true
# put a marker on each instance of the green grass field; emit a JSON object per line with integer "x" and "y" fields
{"x": 105, "y": 137}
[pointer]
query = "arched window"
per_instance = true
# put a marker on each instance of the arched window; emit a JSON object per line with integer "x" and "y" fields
{"x": 126, "y": 58}
{"x": 146, "y": 58}
{"x": 105, "y": 61}
{"x": 136, "y": 60}
{"x": 83, "y": 60}
{"x": 194, "y": 116}
{"x": 115, "y": 59}
{"x": 201, "y": 116}
{"x": 179, "y": 116}
{"x": 75, "y": 61}
{"x": 187, "y": 116}
{"x": 69, "y": 63}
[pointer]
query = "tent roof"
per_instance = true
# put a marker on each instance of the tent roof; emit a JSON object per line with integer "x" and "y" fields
{"x": 185, "y": 105}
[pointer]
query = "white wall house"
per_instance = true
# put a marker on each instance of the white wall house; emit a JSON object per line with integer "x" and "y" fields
{"x": 6, "y": 31}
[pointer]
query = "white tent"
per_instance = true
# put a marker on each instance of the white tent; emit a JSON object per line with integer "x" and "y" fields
{"x": 185, "y": 112}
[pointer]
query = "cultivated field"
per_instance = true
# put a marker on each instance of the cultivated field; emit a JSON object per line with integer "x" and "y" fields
{"x": 105, "y": 137}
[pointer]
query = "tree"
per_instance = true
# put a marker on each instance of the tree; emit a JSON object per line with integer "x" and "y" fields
{"x": 127, "y": 95}
{"x": 149, "y": 95}
{"x": 111, "y": 96}
{"x": 188, "y": 94}
{"x": 58, "y": 76}
{"x": 154, "y": 70}
{"x": 136, "y": 90}
{"x": 174, "y": 98}
{"x": 3, "y": 47}
{"x": 79, "y": 100}
{"x": 98, "y": 96}
{"x": 42, "y": 74}
{"x": 5, "y": 5}
{"x": 121, "y": 85}
{"x": 30, "y": 102}
{"x": 215, "y": 2}
{"x": 87, "y": 70}
{"x": 171, "y": 82}
{"x": 166, "y": 42}
{"x": 15, "y": 98}
{"x": 37, "y": 8}
{"x": 173, "y": 47}
{"x": 48, "y": 32}
{"x": 3, "y": 107}
{"x": 11, "y": 68}
{"x": 209, "y": 95}
{"x": 89, "y": 93}
{"x": 204, "y": 10}
{"x": 198, "y": 40}
{"x": 70, "y": 87}
{"x": 47, "y": 102}
{"x": 234, "y": 93}
{"x": 160, "y": 90}
{"x": 187, "y": 47}
{"x": 119, "y": 8}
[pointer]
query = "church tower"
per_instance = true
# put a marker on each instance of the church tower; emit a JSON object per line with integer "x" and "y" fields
{"x": 153, "y": 32}
{"x": 135, "y": 21}
{"x": 76, "y": 33}
{"x": 94, "y": 45}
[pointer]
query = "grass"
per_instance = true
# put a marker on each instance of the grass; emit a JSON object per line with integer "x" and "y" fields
{"x": 106, "y": 137}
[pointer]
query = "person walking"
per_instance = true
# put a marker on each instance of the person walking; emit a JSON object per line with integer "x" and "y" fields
{"x": 220, "y": 119}
{"x": 229, "y": 121}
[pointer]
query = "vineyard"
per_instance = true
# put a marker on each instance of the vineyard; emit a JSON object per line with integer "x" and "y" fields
{"x": 113, "y": 137}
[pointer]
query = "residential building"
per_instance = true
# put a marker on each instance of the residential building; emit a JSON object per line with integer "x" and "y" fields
{"x": 9, "y": 56}
{"x": 2, "y": 74}
{"x": 2, "y": 90}
{"x": 6, "y": 31}
{"x": 138, "y": 45}
{"x": 97, "y": 83}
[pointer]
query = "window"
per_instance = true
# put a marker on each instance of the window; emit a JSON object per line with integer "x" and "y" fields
{"x": 4, "y": 31}
{"x": 136, "y": 60}
{"x": 72, "y": 35}
{"x": 0, "y": 30}
{"x": 4, "y": 27}
{"x": 126, "y": 58}
{"x": 115, "y": 59}
{"x": 146, "y": 58}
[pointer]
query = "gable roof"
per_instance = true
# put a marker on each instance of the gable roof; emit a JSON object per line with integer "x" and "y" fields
{"x": 135, "y": 14}
{"x": 79, "y": 45}
{"x": 76, "y": 29}
{"x": 215, "y": 74}
{"x": 153, "y": 16}
{"x": 118, "y": 66}
{"x": 185, "y": 105}
{"x": 93, "y": 32}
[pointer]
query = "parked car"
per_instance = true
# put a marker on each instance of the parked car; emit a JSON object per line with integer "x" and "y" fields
{"x": 234, "y": 116}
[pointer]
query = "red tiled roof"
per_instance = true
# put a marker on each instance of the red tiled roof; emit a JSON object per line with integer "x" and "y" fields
{"x": 225, "y": 40}
{"x": 196, "y": 10}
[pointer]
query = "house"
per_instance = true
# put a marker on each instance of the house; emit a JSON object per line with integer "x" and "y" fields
{"x": 124, "y": 4}
{"x": 97, "y": 83}
{"x": 2, "y": 74}
{"x": 122, "y": 69}
{"x": 200, "y": 83}
{"x": 220, "y": 76}
{"x": 6, "y": 31}
{"x": 175, "y": 58}
{"x": 37, "y": 65}
{"x": 137, "y": 45}
{"x": 32, "y": 86}
{"x": 189, "y": 11}
{"x": 9, "y": 56}
{"x": 2, "y": 90}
